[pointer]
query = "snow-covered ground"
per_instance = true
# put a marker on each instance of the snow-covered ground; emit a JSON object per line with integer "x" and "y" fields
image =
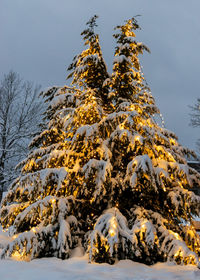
{"x": 78, "y": 268}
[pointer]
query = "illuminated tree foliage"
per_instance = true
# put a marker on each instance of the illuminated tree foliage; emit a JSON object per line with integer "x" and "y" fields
{"x": 103, "y": 174}
{"x": 88, "y": 68}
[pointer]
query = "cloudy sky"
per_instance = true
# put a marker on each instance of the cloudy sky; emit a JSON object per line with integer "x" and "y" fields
{"x": 39, "y": 38}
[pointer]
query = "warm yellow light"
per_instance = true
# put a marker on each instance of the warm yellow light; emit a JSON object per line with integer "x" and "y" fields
{"x": 121, "y": 126}
{"x": 172, "y": 141}
{"x": 107, "y": 247}
{"x": 75, "y": 193}
{"x": 15, "y": 236}
{"x": 112, "y": 232}
{"x": 16, "y": 255}
{"x": 53, "y": 200}
{"x": 177, "y": 236}
{"x": 137, "y": 138}
{"x": 34, "y": 230}
{"x": 180, "y": 184}
{"x": 179, "y": 254}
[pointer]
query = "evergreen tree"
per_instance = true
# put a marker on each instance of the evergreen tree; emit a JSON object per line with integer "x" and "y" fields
{"x": 112, "y": 181}
{"x": 89, "y": 68}
{"x": 127, "y": 78}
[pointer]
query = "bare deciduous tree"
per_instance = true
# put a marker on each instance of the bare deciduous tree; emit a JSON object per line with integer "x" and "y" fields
{"x": 195, "y": 121}
{"x": 20, "y": 113}
{"x": 195, "y": 115}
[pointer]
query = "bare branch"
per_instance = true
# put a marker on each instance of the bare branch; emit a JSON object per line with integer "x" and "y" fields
{"x": 20, "y": 113}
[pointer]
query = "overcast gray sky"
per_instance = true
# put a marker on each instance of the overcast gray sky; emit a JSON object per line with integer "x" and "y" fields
{"x": 39, "y": 38}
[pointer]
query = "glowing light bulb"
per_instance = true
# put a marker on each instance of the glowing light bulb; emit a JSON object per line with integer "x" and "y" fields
{"x": 16, "y": 255}
{"x": 137, "y": 138}
{"x": 33, "y": 229}
{"x": 112, "y": 232}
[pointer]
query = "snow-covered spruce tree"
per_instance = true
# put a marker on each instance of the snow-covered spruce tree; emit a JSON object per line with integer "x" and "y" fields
{"x": 104, "y": 174}
{"x": 88, "y": 68}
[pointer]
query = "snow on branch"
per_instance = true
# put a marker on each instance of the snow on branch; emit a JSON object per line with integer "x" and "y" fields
{"x": 101, "y": 170}
{"x": 140, "y": 165}
{"x": 148, "y": 233}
